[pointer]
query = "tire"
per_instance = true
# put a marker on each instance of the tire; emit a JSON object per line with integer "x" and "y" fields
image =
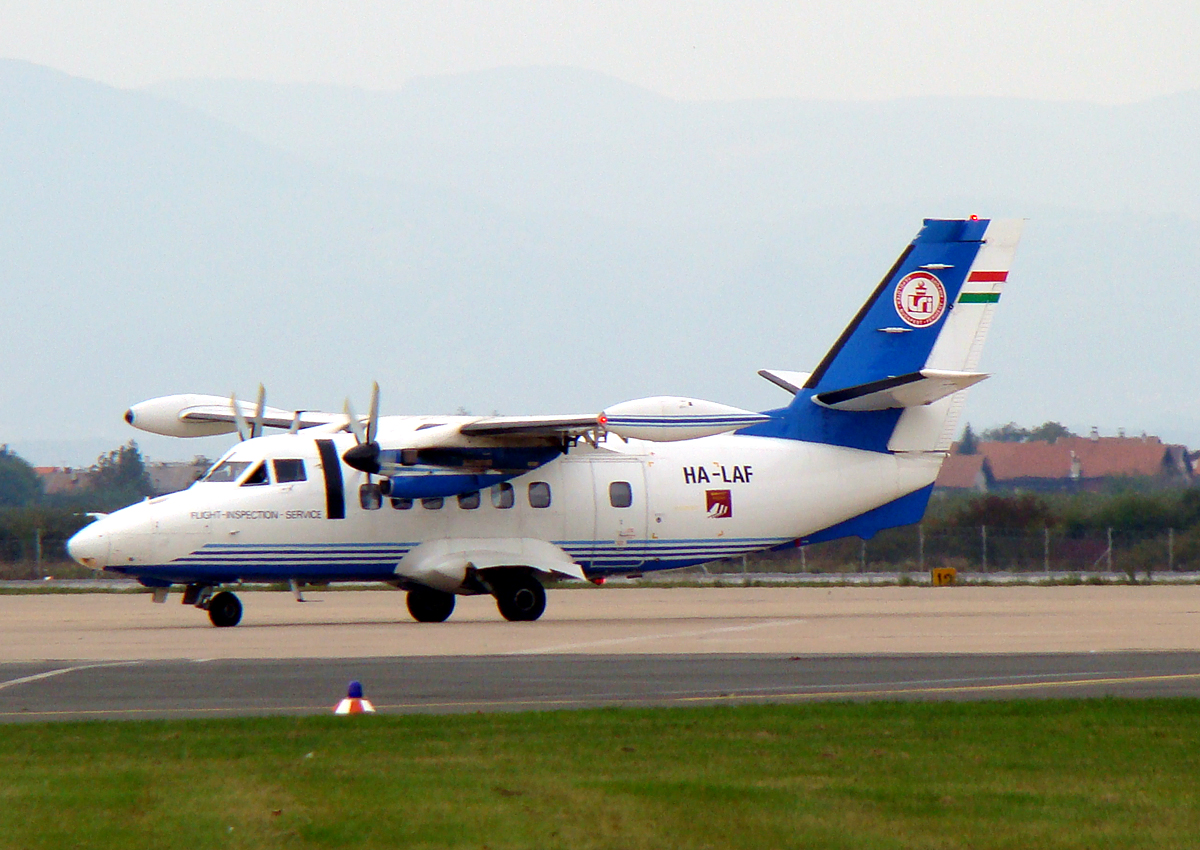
{"x": 520, "y": 598}
{"x": 430, "y": 606}
{"x": 224, "y": 610}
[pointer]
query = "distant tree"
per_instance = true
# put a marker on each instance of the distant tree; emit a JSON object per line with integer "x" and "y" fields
{"x": 19, "y": 483}
{"x": 1138, "y": 513}
{"x": 1010, "y": 433}
{"x": 121, "y": 478}
{"x": 1050, "y": 431}
{"x": 969, "y": 444}
{"x": 1023, "y": 511}
{"x": 1014, "y": 433}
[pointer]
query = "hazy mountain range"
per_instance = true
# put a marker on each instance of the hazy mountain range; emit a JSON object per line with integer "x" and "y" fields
{"x": 552, "y": 240}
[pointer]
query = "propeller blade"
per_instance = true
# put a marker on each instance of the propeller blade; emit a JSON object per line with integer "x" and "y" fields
{"x": 373, "y": 415}
{"x": 242, "y": 428}
{"x": 353, "y": 423}
{"x": 294, "y": 428}
{"x": 256, "y": 427}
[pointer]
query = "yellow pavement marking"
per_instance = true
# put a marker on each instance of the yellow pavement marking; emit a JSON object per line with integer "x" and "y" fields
{"x": 579, "y": 701}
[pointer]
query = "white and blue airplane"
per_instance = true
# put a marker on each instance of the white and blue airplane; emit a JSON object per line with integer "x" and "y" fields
{"x": 441, "y": 506}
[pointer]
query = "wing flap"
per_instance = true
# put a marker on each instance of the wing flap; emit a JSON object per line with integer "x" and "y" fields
{"x": 532, "y": 426}
{"x": 273, "y": 417}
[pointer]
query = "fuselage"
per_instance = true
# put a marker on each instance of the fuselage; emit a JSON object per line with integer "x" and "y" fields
{"x": 618, "y": 507}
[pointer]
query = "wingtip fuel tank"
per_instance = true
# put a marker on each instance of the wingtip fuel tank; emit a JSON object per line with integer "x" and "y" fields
{"x": 667, "y": 419}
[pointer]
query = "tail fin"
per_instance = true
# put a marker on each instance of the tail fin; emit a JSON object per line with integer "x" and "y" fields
{"x": 895, "y": 378}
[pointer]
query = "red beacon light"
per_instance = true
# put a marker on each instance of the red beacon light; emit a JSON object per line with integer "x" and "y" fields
{"x": 974, "y": 218}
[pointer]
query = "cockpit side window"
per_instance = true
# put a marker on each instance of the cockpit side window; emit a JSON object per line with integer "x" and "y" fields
{"x": 226, "y": 471}
{"x": 288, "y": 470}
{"x": 257, "y": 476}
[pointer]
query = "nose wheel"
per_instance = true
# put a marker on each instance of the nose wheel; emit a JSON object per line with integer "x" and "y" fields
{"x": 224, "y": 609}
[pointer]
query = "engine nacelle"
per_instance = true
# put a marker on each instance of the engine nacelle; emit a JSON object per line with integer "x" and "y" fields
{"x": 664, "y": 419}
{"x": 165, "y": 415}
{"x": 431, "y": 485}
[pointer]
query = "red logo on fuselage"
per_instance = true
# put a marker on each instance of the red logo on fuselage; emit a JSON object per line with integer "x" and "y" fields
{"x": 719, "y": 503}
{"x": 920, "y": 299}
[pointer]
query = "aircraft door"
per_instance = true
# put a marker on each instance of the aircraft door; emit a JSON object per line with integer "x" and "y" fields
{"x": 621, "y": 508}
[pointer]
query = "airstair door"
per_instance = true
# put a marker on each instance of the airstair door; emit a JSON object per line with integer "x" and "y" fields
{"x": 621, "y": 510}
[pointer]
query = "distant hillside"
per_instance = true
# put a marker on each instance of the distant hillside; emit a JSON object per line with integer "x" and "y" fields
{"x": 562, "y": 138}
{"x": 548, "y": 240}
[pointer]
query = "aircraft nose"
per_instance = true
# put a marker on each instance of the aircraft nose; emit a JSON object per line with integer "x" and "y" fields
{"x": 90, "y": 546}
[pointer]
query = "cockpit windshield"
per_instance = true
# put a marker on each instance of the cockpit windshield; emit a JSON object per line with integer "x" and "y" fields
{"x": 225, "y": 471}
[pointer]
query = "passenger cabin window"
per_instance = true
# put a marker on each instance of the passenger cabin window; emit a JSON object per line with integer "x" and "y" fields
{"x": 226, "y": 471}
{"x": 257, "y": 477}
{"x": 402, "y": 504}
{"x": 288, "y": 470}
{"x": 539, "y": 494}
{"x": 434, "y": 503}
{"x": 468, "y": 501}
{"x": 620, "y": 494}
{"x": 502, "y": 496}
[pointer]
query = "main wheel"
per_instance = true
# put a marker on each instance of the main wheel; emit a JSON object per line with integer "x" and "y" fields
{"x": 520, "y": 597}
{"x": 225, "y": 610}
{"x": 430, "y": 606}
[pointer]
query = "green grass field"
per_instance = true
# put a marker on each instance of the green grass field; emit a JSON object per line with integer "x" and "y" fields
{"x": 1027, "y": 774}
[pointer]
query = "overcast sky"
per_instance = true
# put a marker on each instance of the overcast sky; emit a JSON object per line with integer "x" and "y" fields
{"x": 1094, "y": 50}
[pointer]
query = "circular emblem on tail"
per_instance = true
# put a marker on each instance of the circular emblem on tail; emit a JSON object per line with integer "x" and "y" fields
{"x": 920, "y": 299}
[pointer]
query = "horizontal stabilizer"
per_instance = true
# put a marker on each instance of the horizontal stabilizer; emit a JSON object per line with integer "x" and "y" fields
{"x": 911, "y": 390}
{"x": 793, "y": 382}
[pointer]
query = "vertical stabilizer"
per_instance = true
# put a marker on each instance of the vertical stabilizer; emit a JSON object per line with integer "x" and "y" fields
{"x": 895, "y": 378}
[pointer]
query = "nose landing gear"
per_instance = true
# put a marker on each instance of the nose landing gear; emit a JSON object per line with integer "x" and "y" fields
{"x": 224, "y": 608}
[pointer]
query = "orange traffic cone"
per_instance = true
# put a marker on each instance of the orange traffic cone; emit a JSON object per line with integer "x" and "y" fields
{"x": 354, "y": 702}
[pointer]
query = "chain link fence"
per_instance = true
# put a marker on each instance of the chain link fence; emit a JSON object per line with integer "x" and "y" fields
{"x": 37, "y": 556}
{"x": 982, "y": 551}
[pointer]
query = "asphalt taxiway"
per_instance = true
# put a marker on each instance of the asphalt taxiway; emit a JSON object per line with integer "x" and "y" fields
{"x": 118, "y": 655}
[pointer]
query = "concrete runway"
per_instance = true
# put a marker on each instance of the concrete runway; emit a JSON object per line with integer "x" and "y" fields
{"x": 110, "y": 655}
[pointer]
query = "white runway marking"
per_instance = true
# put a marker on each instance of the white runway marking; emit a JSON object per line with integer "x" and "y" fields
{"x": 50, "y": 673}
{"x": 568, "y": 647}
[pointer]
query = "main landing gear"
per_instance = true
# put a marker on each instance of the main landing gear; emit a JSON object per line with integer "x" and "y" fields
{"x": 430, "y": 606}
{"x": 224, "y": 608}
{"x": 519, "y": 596}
